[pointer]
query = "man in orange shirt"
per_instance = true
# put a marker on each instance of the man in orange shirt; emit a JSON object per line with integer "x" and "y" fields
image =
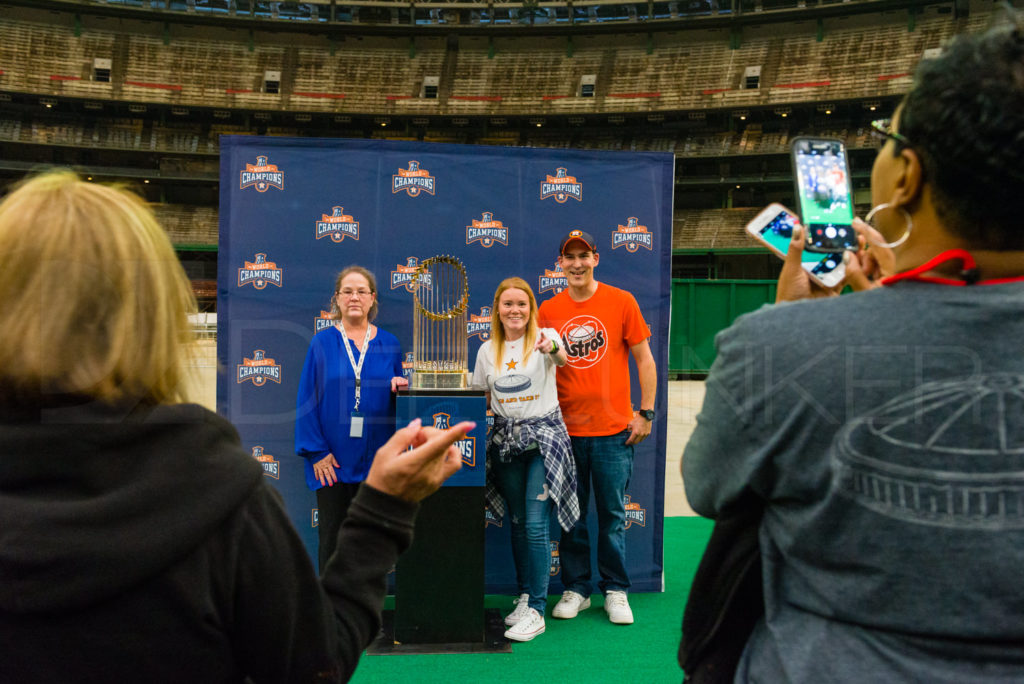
{"x": 600, "y": 325}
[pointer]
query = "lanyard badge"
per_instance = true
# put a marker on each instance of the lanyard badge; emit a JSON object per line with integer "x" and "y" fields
{"x": 356, "y": 422}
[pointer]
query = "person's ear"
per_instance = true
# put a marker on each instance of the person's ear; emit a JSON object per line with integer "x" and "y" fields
{"x": 910, "y": 180}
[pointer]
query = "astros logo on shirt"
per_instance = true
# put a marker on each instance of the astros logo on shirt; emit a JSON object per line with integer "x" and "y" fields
{"x": 412, "y": 180}
{"x": 262, "y": 175}
{"x": 561, "y": 186}
{"x": 585, "y": 339}
{"x": 337, "y": 226}
{"x": 633, "y": 236}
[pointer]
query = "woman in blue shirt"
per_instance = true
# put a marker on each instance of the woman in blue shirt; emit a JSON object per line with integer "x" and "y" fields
{"x": 344, "y": 409}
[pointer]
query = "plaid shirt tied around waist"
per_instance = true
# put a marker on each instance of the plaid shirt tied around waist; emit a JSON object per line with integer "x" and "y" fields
{"x": 512, "y": 436}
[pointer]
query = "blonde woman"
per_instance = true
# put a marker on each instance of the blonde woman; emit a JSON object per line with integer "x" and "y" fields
{"x": 529, "y": 456}
{"x": 138, "y": 541}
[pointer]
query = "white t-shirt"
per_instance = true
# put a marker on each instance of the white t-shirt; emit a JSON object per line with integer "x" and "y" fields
{"x": 518, "y": 391}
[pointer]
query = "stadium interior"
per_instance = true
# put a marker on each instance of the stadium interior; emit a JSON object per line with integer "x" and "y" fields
{"x": 140, "y": 91}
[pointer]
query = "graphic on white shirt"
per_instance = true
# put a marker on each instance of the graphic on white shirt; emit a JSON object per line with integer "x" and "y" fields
{"x": 518, "y": 389}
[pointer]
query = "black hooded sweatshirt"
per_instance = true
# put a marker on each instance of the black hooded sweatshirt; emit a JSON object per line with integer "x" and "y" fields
{"x": 145, "y": 546}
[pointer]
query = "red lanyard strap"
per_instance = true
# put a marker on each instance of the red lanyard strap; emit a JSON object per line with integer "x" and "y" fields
{"x": 969, "y": 273}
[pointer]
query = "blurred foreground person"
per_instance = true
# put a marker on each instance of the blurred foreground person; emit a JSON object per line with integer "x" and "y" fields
{"x": 882, "y": 432}
{"x": 138, "y": 541}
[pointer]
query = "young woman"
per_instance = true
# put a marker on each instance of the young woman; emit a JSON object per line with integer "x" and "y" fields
{"x": 529, "y": 456}
{"x": 344, "y": 409}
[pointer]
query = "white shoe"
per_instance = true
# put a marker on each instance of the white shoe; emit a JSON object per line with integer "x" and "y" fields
{"x": 617, "y": 607}
{"x": 526, "y": 629}
{"x": 522, "y": 606}
{"x": 570, "y": 605}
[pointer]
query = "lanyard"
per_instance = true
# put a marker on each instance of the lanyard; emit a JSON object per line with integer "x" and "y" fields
{"x": 968, "y": 275}
{"x": 357, "y": 368}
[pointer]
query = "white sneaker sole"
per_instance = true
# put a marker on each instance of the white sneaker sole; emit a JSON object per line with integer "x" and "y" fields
{"x": 565, "y": 614}
{"x": 524, "y": 637}
{"x": 620, "y": 621}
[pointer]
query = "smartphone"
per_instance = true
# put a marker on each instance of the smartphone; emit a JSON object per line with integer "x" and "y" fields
{"x": 773, "y": 227}
{"x": 824, "y": 194}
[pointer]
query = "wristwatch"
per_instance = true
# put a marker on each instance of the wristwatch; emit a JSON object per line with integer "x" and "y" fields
{"x": 647, "y": 413}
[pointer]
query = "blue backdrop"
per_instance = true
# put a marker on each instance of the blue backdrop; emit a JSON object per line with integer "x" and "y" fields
{"x": 294, "y": 212}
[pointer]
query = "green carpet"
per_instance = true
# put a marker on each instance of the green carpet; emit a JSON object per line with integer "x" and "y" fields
{"x": 588, "y": 648}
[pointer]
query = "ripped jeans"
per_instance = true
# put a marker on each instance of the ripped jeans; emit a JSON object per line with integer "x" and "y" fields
{"x": 521, "y": 482}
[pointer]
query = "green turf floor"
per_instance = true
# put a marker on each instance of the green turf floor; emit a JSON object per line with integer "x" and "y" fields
{"x": 587, "y": 649}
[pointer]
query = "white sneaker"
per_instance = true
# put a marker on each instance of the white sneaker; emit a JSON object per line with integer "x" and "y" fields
{"x": 522, "y": 606}
{"x": 617, "y": 607}
{"x": 526, "y": 629}
{"x": 570, "y": 605}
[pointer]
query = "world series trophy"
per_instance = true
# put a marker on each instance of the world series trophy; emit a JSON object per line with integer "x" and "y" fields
{"x": 440, "y": 349}
{"x": 439, "y": 580}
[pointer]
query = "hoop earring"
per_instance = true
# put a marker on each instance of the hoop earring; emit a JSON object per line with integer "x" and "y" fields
{"x": 903, "y": 238}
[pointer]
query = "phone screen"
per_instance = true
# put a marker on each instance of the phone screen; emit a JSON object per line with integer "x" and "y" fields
{"x": 823, "y": 189}
{"x": 778, "y": 233}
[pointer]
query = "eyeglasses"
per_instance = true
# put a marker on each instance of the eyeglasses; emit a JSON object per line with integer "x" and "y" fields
{"x": 347, "y": 293}
{"x": 883, "y": 129}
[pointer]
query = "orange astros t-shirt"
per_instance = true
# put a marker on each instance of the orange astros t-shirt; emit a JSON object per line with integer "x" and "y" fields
{"x": 593, "y": 388}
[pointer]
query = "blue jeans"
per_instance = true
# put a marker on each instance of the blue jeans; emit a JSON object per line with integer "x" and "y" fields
{"x": 521, "y": 482}
{"x": 608, "y": 462}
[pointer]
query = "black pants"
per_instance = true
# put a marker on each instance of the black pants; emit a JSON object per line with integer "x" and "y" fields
{"x": 332, "y": 503}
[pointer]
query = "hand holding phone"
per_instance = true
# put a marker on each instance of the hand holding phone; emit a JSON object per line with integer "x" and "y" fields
{"x": 773, "y": 227}
{"x": 824, "y": 194}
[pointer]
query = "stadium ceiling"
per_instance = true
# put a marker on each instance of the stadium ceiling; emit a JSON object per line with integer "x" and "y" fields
{"x": 724, "y": 19}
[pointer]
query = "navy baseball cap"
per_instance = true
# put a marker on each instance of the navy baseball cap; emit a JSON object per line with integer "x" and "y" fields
{"x": 584, "y": 237}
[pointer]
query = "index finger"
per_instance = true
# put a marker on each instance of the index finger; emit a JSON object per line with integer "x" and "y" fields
{"x": 431, "y": 439}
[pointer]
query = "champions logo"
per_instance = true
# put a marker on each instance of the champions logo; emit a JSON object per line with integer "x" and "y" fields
{"x": 487, "y": 231}
{"x": 555, "y": 281}
{"x": 556, "y": 559}
{"x": 315, "y": 522}
{"x": 259, "y": 273}
{"x": 403, "y": 275}
{"x": 634, "y": 514}
{"x": 479, "y": 325}
{"x": 337, "y": 226}
{"x": 561, "y": 186}
{"x": 259, "y": 369}
{"x": 633, "y": 236}
{"x": 585, "y": 339}
{"x": 271, "y": 467}
{"x": 466, "y": 447}
{"x": 407, "y": 364}
{"x": 323, "y": 321}
{"x": 413, "y": 180}
{"x": 262, "y": 174}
